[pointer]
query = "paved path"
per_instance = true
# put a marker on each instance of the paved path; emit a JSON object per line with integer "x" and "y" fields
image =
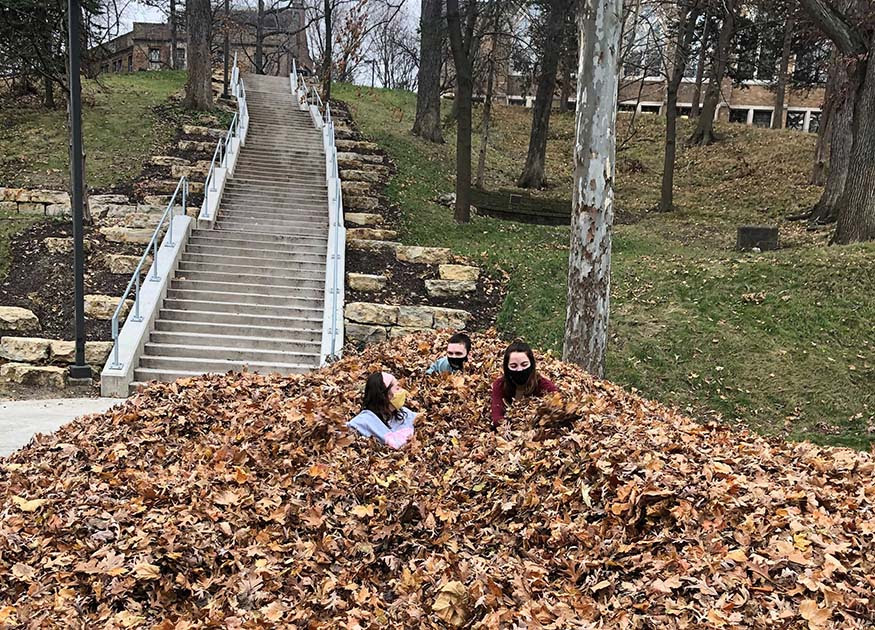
{"x": 20, "y": 420}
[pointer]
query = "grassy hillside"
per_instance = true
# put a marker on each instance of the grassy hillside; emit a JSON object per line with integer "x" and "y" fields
{"x": 782, "y": 341}
{"x": 118, "y": 125}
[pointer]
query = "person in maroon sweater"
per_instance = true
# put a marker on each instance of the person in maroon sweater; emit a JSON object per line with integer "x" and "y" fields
{"x": 520, "y": 379}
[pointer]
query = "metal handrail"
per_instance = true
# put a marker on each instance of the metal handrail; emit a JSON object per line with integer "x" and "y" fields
{"x": 135, "y": 278}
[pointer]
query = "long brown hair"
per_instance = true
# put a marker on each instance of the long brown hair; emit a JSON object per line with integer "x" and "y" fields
{"x": 376, "y": 398}
{"x": 509, "y": 390}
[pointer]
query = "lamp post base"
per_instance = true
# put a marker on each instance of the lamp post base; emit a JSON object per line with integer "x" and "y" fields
{"x": 80, "y": 372}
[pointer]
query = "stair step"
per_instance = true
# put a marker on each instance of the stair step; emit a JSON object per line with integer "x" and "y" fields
{"x": 222, "y": 267}
{"x": 277, "y": 204}
{"x": 313, "y": 281}
{"x": 237, "y": 297}
{"x": 274, "y": 255}
{"x": 222, "y": 353}
{"x": 292, "y": 291}
{"x": 264, "y": 240}
{"x": 239, "y": 308}
{"x": 241, "y": 319}
{"x": 144, "y": 375}
{"x": 258, "y": 226}
{"x": 254, "y": 195}
{"x": 229, "y": 336}
{"x": 282, "y": 214}
{"x": 175, "y": 365}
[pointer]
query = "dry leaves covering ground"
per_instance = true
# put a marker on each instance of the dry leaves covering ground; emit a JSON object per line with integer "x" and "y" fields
{"x": 240, "y": 501}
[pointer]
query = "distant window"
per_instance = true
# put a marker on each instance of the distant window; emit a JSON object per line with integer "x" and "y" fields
{"x": 685, "y": 111}
{"x": 154, "y": 59}
{"x": 104, "y": 67}
{"x": 814, "y": 124}
{"x": 796, "y": 120}
{"x": 130, "y": 63}
{"x": 738, "y": 115}
{"x": 180, "y": 58}
{"x": 626, "y": 107}
{"x": 762, "y": 118}
{"x": 650, "y": 109}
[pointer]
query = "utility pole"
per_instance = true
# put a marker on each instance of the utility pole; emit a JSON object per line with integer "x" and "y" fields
{"x": 79, "y": 369}
{"x": 227, "y": 48}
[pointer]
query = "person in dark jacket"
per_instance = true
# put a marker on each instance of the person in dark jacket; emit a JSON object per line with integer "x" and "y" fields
{"x": 520, "y": 380}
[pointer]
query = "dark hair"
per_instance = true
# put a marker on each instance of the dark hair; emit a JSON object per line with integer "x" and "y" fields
{"x": 376, "y": 398}
{"x": 461, "y": 338}
{"x": 508, "y": 387}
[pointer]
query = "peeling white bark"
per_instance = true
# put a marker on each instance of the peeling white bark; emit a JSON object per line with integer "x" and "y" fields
{"x": 589, "y": 262}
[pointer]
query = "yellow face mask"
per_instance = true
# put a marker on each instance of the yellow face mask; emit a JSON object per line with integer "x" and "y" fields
{"x": 398, "y": 400}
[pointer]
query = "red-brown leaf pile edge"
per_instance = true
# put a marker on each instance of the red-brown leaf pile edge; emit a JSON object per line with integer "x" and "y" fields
{"x": 241, "y": 501}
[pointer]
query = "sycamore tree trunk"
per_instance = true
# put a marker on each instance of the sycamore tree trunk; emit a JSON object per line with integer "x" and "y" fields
{"x": 781, "y": 89}
{"x": 427, "y": 124}
{"x": 589, "y": 260}
{"x": 485, "y": 123}
{"x": 533, "y": 170}
{"x": 700, "y": 69}
{"x": 259, "y": 38}
{"x": 328, "y": 61}
{"x": 462, "y": 58}
{"x": 704, "y": 132}
{"x": 685, "y": 29}
{"x": 198, "y": 88}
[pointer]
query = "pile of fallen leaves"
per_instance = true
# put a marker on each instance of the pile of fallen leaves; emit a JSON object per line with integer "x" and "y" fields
{"x": 241, "y": 501}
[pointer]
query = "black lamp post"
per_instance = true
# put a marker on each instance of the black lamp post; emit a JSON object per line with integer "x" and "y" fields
{"x": 79, "y": 369}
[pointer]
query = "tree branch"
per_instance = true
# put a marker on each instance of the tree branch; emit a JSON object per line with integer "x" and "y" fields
{"x": 848, "y": 39}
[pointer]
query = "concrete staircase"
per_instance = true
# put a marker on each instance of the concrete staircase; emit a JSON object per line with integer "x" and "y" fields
{"x": 250, "y": 292}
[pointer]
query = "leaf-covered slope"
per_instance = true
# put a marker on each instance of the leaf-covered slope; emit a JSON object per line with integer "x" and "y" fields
{"x": 241, "y": 501}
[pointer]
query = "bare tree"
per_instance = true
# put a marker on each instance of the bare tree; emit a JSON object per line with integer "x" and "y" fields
{"x": 198, "y": 88}
{"x": 589, "y": 260}
{"x": 427, "y": 123}
{"x": 781, "y": 87}
{"x": 704, "y": 132}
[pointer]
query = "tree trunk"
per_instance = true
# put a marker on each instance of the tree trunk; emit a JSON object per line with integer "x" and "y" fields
{"x": 464, "y": 92}
{"x": 780, "y": 92}
{"x": 589, "y": 260}
{"x": 328, "y": 61}
{"x": 259, "y": 39}
{"x": 172, "y": 20}
{"x": 49, "y": 93}
{"x": 685, "y": 31}
{"x": 841, "y": 139}
{"x": 700, "y": 70}
{"x": 198, "y": 88}
{"x": 704, "y": 132}
{"x": 533, "y": 170}
{"x": 824, "y": 129}
{"x": 427, "y": 124}
{"x": 487, "y": 120}
{"x": 855, "y": 219}
{"x": 567, "y": 80}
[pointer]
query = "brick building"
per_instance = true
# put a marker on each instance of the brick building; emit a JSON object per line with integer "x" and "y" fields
{"x": 147, "y": 46}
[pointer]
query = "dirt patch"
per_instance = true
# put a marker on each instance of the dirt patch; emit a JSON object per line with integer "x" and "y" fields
{"x": 42, "y": 281}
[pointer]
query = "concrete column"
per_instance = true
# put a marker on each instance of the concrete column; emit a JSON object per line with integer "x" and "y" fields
{"x": 807, "y": 124}
{"x": 750, "y": 117}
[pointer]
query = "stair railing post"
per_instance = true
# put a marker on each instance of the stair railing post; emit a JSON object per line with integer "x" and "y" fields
{"x": 137, "y": 316}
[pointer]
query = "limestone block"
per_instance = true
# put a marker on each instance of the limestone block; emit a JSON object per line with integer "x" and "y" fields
{"x": 362, "y": 218}
{"x": 344, "y": 134}
{"x": 168, "y": 160}
{"x": 372, "y": 246}
{"x": 167, "y": 186}
{"x": 356, "y": 146}
{"x": 358, "y": 189}
{"x": 458, "y": 272}
{"x": 416, "y": 316}
{"x": 119, "y": 234}
{"x": 157, "y": 200}
{"x": 26, "y": 207}
{"x": 10, "y": 207}
{"x": 367, "y": 334}
{"x": 141, "y": 220}
{"x": 450, "y": 318}
{"x": 121, "y": 263}
{"x": 196, "y": 145}
{"x": 58, "y": 210}
{"x": 402, "y": 331}
{"x": 361, "y": 203}
{"x": 198, "y": 168}
{"x": 10, "y": 194}
{"x": 361, "y": 176}
{"x": 365, "y": 282}
{"x": 449, "y": 288}
{"x": 97, "y": 200}
{"x": 37, "y": 376}
{"x": 370, "y": 313}
{"x": 426, "y": 255}
{"x": 55, "y": 245}
{"x": 96, "y": 352}
{"x": 355, "y": 160}
{"x": 62, "y": 351}
{"x": 195, "y": 130}
{"x": 103, "y": 306}
{"x": 18, "y": 319}
{"x": 26, "y": 349}
{"x": 46, "y": 196}
{"x": 373, "y": 234}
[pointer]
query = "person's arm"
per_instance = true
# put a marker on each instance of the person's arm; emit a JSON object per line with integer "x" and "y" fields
{"x": 546, "y": 385}
{"x": 368, "y": 425}
{"x": 498, "y": 406}
{"x": 432, "y": 368}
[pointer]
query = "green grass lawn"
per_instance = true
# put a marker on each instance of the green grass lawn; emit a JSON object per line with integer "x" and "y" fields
{"x": 782, "y": 342}
{"x": 119, "y": 127}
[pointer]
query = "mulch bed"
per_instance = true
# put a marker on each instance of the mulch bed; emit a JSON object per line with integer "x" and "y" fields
{"x": 43, "y": 281}
{"x": 406, "y": 286}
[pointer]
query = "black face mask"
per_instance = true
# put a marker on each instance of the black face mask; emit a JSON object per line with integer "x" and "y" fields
{"x": 457, "y": 363}
{"x": 520, "y": 377}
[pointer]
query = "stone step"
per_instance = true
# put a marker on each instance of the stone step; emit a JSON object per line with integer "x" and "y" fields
{"x": 172, "y": 366}
{"x": 250, "y": 262}
{"x": 242, "y": 319}
{"x": 273, "y": 212}
{"x": 253, "y": 193}
{"x": 303, "y": 172}
{"x": 245, "y": 309}
{"x": 311, "y": 281}
{"x": 316, "y": 184}
{"x": 263, "y": 240}
{"x": 258, "y": 299}
{"x": 256, "y": 177}
{"x": 143, "y": 376}
{"x": 224, "y": 353}
{"x": 259, "y": 254}
{"x": 220, "y": 265}
{"x": 302, "y": 210}
{"x": 296, "y": 291}
{"x": 231, "y": 336}
{"x": 258, "y": 226}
